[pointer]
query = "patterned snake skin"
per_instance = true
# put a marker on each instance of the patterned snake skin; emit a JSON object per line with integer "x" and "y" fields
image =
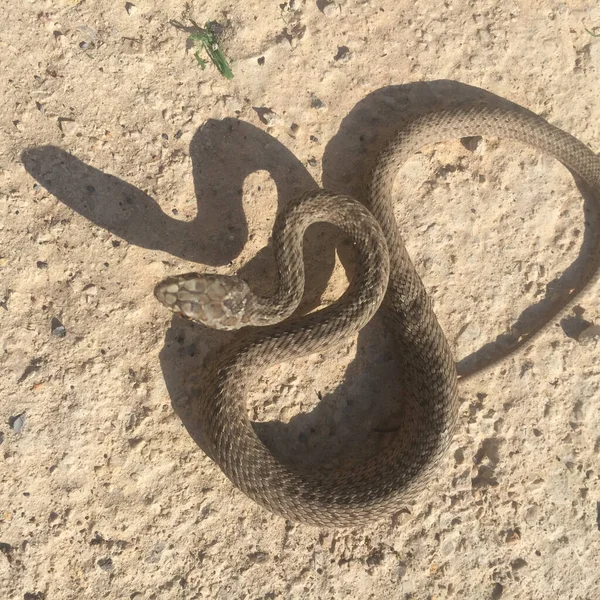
{"x": 364, "y": 489}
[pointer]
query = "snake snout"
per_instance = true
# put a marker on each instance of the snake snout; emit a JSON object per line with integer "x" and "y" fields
{"x": 217, "y": 301}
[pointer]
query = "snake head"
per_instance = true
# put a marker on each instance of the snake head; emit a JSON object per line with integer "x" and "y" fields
{"x": 217, "y": 301}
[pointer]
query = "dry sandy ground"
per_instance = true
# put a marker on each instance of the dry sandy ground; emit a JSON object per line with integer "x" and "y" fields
{"x": 139, "y": 164}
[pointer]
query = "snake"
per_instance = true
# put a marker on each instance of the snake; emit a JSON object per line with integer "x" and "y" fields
{"x": 357, "y": 489}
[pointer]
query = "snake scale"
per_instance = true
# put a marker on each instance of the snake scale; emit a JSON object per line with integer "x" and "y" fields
{"x": 356, "y": 491}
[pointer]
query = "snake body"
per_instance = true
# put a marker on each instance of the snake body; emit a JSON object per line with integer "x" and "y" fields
{"x": 356, "y": 491}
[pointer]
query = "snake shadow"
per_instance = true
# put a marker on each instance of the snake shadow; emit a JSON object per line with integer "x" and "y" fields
{"x": 366, "y": 410}
{"x": 223, "y": 154}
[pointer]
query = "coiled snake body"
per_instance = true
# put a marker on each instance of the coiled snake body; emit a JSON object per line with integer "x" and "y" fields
{"x": 364, "y": 490}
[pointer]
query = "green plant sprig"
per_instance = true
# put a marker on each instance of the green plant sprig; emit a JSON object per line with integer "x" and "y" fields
{"x": 210, "y": 42}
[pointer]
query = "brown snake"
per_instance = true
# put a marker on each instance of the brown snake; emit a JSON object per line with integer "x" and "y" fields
{"x": 362, "y": 490}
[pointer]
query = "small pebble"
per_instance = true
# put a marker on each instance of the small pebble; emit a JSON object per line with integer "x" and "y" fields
{"x": 106, "y": 564}
{"x": 17, "y": 422}
{"x": 331, "y": 9}
{"x": 316, "y": 102}
{"x": 258, "y": 557}
{"x": 6, "y": 549}
{"x": 375, "y": 558}
{"x": 97, "y": 540}
{"x": 343, "y": 53}
{"x": 130, "y": 8}
{"x": 261, "y": 60}
{"x": 41, "y": 264}
{"x": 57, "y": 329}
{"x": 512, "y": 536}
{"x": 267, "y": 116}
{"x": 471, "y": 143}
{"x": 518, "y": 564}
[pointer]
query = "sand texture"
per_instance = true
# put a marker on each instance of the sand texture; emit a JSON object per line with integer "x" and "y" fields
{"x": 122, "y": 161}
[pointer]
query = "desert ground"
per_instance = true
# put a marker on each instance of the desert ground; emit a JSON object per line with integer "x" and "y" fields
{"x": 122, "y": 161}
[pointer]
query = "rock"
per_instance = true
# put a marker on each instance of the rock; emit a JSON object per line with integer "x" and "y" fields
{"x": 375, "y": 558}
{"x": 6, "y": 549}
{"x": 343, "y": 53}
{"x": 267, "y": 116}
{"x": 106, "y": 564}
{"x": 329, "y": 9}
{"x": 316, "y": 102}
{"x": 57, "y": 329}
{"x": 17, "y": 422}
{"x": 471, "y": 143}
{"x": 258, "y": 557}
